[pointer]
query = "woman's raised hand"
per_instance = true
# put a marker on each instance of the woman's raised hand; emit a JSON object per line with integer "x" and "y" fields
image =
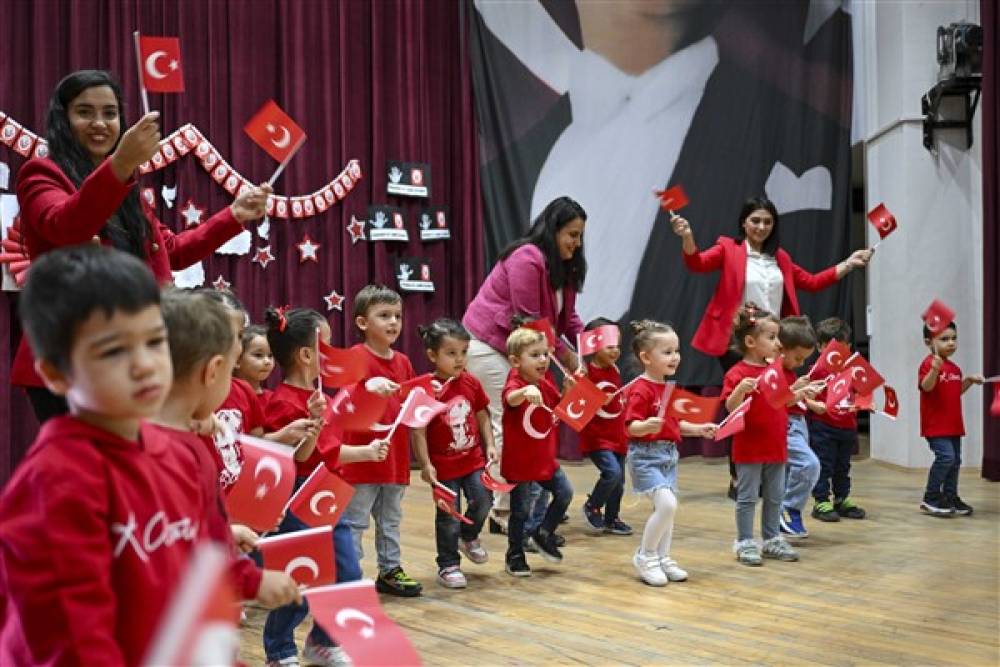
{"x": 252, "y": 204}
{"x": 138, "y": 144}
{"x": 680, "y": 225}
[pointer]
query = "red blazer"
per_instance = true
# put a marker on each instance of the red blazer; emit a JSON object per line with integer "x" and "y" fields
{"x": 55, "y": 213}
{"x": 730, "y": 255}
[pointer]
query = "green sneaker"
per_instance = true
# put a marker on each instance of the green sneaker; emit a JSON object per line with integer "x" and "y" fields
{"x": 397, "y": 582}
{"x": 847, "y": 509}
{"x": 824, "y": 511}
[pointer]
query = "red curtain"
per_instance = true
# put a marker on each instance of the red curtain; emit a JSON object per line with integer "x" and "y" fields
{"x": 991, "y": 233}
{"x": 368, "y": 80}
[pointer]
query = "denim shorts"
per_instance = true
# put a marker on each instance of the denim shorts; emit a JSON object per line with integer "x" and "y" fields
{"x": 653, "y": 465}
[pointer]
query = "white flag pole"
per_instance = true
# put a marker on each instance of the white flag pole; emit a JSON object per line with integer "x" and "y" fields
{"x": 284, "y": 163}
{"x": 138, "y": 64}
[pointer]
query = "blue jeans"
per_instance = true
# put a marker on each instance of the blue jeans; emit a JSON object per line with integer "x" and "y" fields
{"x": 538, "y": 501}
{"x": 833, "y": 447}
{"x": 448, "y": 529}
{"x": 943, "y": 475}
{"x": 802, "y": 469}
{"x": 610, "y": 486}
{"x": 384, "y": 503}
{"x": 279, "y": 628}
{"x": 520, "y": 497}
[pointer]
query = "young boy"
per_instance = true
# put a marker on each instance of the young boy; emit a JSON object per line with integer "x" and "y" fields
{"x": 941, "y": 388}
{"x": 87, "y": 568}
{"x": 203, "y": 349}
{"x": 379, "y": 486}
{"x": 605, "y": 442}
{"x": 798, "y": 342}
{"x": 833, "y": 435}
{"x": 529, "y": 453}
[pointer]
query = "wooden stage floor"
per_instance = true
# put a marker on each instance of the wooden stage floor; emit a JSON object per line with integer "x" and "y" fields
{"x": 898, "y": 588}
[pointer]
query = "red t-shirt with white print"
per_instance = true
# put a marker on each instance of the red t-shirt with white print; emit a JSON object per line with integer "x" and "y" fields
{"x": 764, "y": 438}
{"x": 530, "y": 433}
{"x": 453, "y": 440}
{"x": 642, "y": 401}
{"x": 941, "y": 407}
{"x": 240, "y": 413}
{"x": 607, "y": 429}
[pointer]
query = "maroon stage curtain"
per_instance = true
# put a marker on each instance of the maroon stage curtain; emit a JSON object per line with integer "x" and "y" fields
{"x": 368, "y": 80}
{"x": 991, "y": 233}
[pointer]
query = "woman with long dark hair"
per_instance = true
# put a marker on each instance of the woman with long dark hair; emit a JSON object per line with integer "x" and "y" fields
{"x": 538, "y": 276}
{"x": 85, "y": 191}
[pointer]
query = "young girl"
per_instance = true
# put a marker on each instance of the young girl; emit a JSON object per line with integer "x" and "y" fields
{"x": 652, "y": 449}
{"x": 292, "y": 336}
{"x": 760, "y": 450}
{"x": 605, "y": 442}
{"x": 450, "y": 449}
{"x": 256, "y": 361}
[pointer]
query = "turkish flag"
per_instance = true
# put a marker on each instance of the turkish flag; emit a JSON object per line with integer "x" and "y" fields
{"x": 883, "y": 221}
{"x": 419, "y": 409}
{"x": 321, "y": 499}
{"x": 543, "y": 325}
{"x": 735, "y": 421}
{"x": 306, "y": 555}
{"x": 201, "y": 624}
{"x": 161, "y": 64}
{"x": 837, "y": 389}
{"x": 274, "y": 131}
{"x": 891, "y": 407}
{"x": 493, "y": 484}
{"x": 672, "y": 199}
{"x": 864, "y": 402}
{"x": 831, "y": 359}
{"x": 692, "y": 407}
{"x": 864, "y": 376}
{"x": 259, "y": 494}
{"x": 598, "y": 339}
{"x": 580, "y": 404}
{"x": 445, "y": 499}
{"x": 430, "y": 384}
{"x": 351, "y": 614}
{"x": 339, "y": 367}
{"x": 773, "y": 386}
{"x": 355, "y": 408}
{"x": 995, "y": 406}
{"x": 937, "y": 317}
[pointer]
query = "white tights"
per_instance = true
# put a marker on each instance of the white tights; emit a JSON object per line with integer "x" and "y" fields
{"x": 659, "y": 528}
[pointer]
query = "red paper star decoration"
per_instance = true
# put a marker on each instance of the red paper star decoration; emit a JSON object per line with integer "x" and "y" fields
{"x": 334, "y": 301}
{"x": 356, "y": 229}
{"x": 192, "y": 214}
{"x": 263, "y": 256}
{"x": 308, "y": 249}
{"x": 221, "y": 284}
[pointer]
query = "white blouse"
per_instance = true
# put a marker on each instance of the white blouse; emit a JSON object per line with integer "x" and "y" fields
{"x": 764, "y": 282}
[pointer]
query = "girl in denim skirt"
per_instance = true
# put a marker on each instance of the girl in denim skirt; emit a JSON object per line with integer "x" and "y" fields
{"x": 652, "y": 450}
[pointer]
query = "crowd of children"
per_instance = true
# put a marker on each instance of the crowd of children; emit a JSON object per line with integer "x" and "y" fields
{"x": 181, "y": 374}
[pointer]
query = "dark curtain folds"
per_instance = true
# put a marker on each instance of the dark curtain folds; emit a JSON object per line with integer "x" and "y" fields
{"x": 368, "y": 80}
{"x": 991, "y": 233}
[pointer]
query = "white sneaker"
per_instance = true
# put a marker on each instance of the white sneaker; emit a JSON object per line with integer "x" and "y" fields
{"x": 452, "y": 577}
{"x": 672, "y": 569}
{"x": 290, "y": 661}
{"x": 649, "y": 570}
{"x": 324, "y": 656}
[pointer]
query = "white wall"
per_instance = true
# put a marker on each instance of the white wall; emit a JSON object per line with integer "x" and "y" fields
{"x": 937, "y": 201}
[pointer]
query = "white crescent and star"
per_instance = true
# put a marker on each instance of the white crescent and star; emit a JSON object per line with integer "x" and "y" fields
{"x": 320, "y": 495}
{"x": 151, "y": 65}
{"x": 271, "y": 464}
{"x": 680, "y": 405}
{"x": 573, "y": 413}
{"x": 832, "y": 355}
{"x": 283, "y": 139}
{"x": 351, "y": 614}
{"x": 423, "y": 414}
{"x": 864, "y": 376}
{"x": 838, "y": 386}
{"x": 300, "y": 562}
{"x": 770, "y": 378}
{"x": 529, "y": 428}
{"x": 602, "y": 385}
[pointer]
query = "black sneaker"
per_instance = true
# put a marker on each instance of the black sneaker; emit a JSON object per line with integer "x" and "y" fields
{"x": 618, "y": 527}
{"x": 517, "y": 566}
{"x": 529, "y": 546}
{"x": 959, "y": 506}
{"x": 396, "y": 582}
{"x": 848, "y": 510}
{"x": 593, "y": 517}
{"x": 936, "y": 504}
{"x": 546, "y": 546}
{"x": 824, "y": 512}
{"x": 560, "y": 540}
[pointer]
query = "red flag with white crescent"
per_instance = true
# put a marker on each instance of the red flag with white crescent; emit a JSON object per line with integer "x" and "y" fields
{"x": 160, "y": 58}
{"x": 692, "y": 407}
{"x": 831, "y": 359}
{"x": 419, "y": 409}
{"x": 275, "y": 131}
{"x": 937, "y": 317}
{"x": 838, "y": 388}
{"x": 444, "y": 499}
{"x": 321, "y": 499}
{"x": 891, "y": 407}
{"x": 580, "y": 403}
{"x": 340, "y": 367}
{"x": 735, "y": 421}
{"x": 882, "y": 220}
{"x": 863, "y": 375}
{"x": 307, "y": 556}
{"x": 258, "y": 496}
{"x": 355, "y": 408}
{"x": 773, "y": 386}
{"x": 598, "y": 339}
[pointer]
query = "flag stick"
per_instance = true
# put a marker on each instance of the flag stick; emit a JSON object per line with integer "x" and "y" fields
{"x": 284, "y": 163}
{"x": 668, "y": 389}
{"x": 399, "y": 417}
{"x": 579, "y": 355}
{"x": 559, "y": 365}
{"x": 625, "y": 386}
{"x": 319, "y": 361}
{"x": 138, "y": 63}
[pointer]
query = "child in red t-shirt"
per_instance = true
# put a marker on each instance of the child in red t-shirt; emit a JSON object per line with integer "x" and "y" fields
{"x": 652, "y": 451}
{"x": 256, "y": 362}
{"x": 760, "y": 450}
{"x": 450, "y": 450}
{"x": 604, "y": 441}
{"x": 529, "y": 450}
{"x": 941, "y": 387}
{"x": 833, "y": 435}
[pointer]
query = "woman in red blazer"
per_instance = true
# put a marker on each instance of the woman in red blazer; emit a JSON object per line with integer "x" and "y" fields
{"x": 85, "y": 191}
{"x": 754, "y": 268}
